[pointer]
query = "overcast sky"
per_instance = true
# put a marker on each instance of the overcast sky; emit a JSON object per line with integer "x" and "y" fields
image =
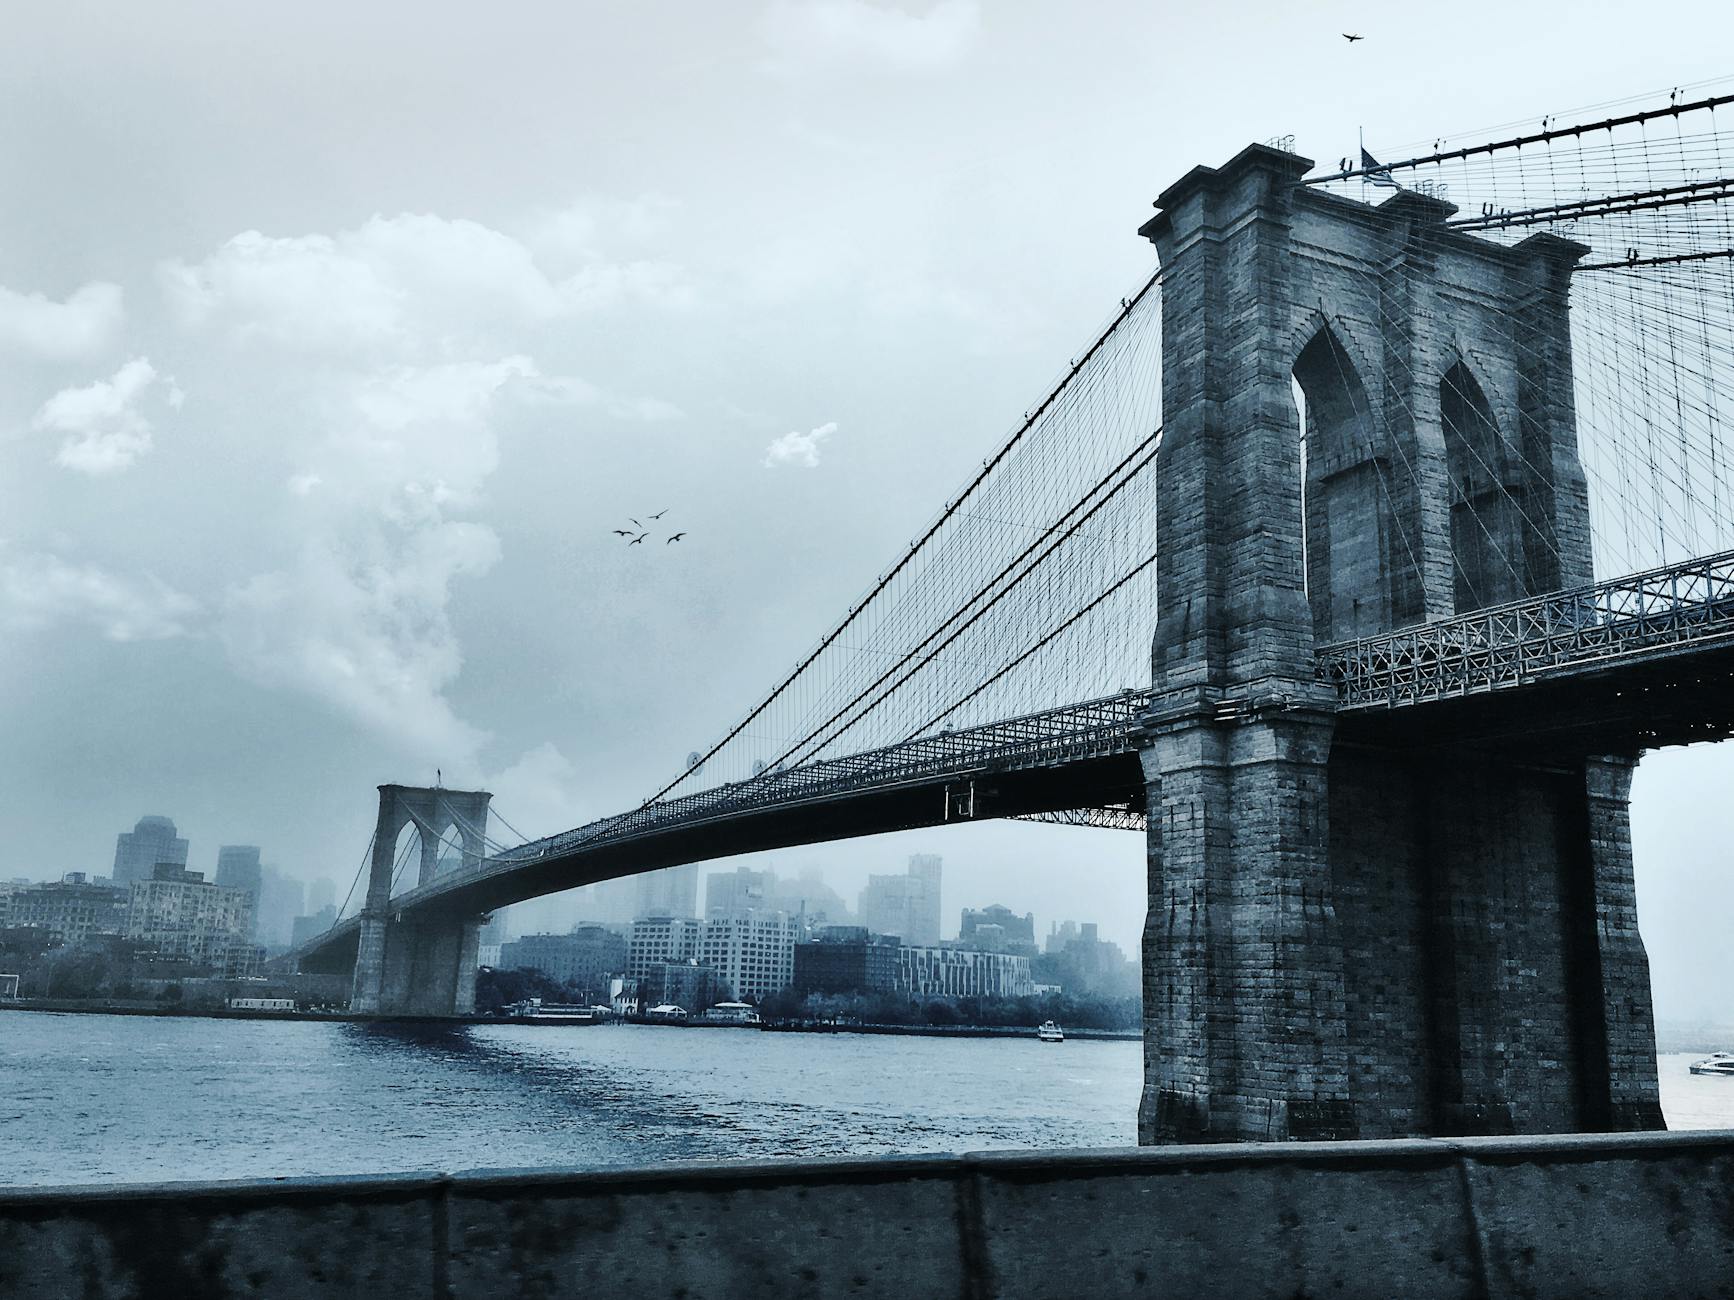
{"x": 335, "y": 338}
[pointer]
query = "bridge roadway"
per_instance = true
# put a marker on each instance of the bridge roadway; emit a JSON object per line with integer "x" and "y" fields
{"x": 1623, "y": 665}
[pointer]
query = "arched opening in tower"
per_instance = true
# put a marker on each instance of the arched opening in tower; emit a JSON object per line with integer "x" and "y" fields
{"x": 406, "y": 859}
{"x": 1346, "y": 497}
{"x": 1488, "y": 508}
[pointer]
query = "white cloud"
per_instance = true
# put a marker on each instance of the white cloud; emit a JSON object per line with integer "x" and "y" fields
{"x": 409, "y": 338}
{"x": 539, "y": 793}
{"x": 82, "y": 326}
{"x": 405, "y": 287}
{"x": 40, "y": 590}
{"x": 797, "y": 448}
{"x": 104, "y": 430}
{"x": 365, "y": 629}
{"x": 818, "y": 35}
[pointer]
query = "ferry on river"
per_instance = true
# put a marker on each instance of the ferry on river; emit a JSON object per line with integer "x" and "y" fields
{"x": 557, "y": 1013}
{"x": 1715, "y": 1063}
{"x": 1049, "y": 1032}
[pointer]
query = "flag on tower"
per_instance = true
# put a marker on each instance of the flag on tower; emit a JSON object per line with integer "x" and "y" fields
{"x": 1376, "y": 171}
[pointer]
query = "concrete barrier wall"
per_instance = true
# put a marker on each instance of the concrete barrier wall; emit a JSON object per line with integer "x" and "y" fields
{"x": 1532, "y": 1217}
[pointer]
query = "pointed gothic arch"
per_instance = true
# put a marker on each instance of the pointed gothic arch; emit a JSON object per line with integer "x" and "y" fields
{"x": 1488, "y": 497}
{"x": 1348, "y": 532}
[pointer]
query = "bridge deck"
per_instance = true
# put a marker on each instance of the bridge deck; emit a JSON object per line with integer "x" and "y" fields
{"x": 1644, "y": 659}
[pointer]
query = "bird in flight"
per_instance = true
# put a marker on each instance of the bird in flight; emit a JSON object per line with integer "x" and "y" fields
{"x": 623, "y": 532}
{"x": 659, "y": 514}
{"x": 675, "y": 538}
{"x": 1352, "y": 39}
{"x": 638, "y": 540}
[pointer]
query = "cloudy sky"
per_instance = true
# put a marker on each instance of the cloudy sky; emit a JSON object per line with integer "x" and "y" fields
{"x": 334, "y": 339}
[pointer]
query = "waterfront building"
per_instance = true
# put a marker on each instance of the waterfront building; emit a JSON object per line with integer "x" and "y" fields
{"x": 672, "y": 891}
{"x": 998, "y": 929}
{"x": 72, "y": 909}
{"x": 752, "y": 952}
{"x": 689, "y": 985}
{"x": 846, "y": 959}
{"x": 655, "y": 940}
{"x": 180, "y": 914}
{"x": 959, "y": 972}
{"x": 137, "y": 852}
{"x": 907, "y": 905}
{"x": 586, "y": 958}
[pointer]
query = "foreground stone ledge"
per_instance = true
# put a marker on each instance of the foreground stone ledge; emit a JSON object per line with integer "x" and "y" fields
{"x": 1590, "y": 1215}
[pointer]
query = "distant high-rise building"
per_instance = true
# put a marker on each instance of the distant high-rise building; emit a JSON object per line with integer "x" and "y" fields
{"x": 998, "y": 929}
{"x": 280, "y": 901}
{"x": 907, "y": 905}
{"x": 238, "y": 868}
{"x": 740, "y": 890}
{"x": 673, "y": 891}
{"x": 151, "y": 841}
{"x": 321, "y": 893}
{"x": 314, "y": 924}
{"x": 610, "y": 902}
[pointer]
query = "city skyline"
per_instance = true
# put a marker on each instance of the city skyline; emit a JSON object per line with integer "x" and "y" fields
{"x": 810, "y": 257}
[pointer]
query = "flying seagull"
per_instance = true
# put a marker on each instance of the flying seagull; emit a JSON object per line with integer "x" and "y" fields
{"x": 675, "y": 538}
{"x": 635, "y": 523}
{"x": 637, "y": 540}
{"x": 623, "y": 532}
{"x": 660, "y": 513}
{"x": 1352, "y": 39}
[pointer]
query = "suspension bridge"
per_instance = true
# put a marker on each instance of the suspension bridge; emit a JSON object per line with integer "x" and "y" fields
{"x": 1294, "y": 568}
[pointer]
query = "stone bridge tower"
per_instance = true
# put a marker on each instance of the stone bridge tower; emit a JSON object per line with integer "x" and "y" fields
{"x": 427, "y": 967}
{"x": 1343, "y": 939}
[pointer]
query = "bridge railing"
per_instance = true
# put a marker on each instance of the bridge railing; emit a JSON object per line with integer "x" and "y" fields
{"x": 1508, "y": 645}
{"x": 1097, "y": 728}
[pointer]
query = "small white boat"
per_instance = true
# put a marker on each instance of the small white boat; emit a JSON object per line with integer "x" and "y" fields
{"x": 1715, "y": 1063}
{"x": 1049, "y": 1032}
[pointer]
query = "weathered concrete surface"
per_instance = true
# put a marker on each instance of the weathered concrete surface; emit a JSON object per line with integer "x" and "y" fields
{"x": 1536, "y": 1217}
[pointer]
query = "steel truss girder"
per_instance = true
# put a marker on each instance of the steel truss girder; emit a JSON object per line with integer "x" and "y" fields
{"x": 1584, "y": 629}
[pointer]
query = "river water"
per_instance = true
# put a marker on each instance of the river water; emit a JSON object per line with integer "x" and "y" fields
{"x": 132, "y": 1099}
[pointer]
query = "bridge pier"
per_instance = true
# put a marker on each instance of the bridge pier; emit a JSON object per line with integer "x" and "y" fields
{"x": 1425, "y": 937}
{"x": 425, "y": 967}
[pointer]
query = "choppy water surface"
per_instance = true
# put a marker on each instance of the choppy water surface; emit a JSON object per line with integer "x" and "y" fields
{"x": 133, "y": 1099}
{"x": 130, "y": 1099}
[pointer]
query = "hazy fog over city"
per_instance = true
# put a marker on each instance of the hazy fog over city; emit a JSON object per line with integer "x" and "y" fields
{"x": 335, "y": 342}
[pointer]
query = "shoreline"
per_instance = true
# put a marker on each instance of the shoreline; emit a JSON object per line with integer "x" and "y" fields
{"x": 70, "y": 1007}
